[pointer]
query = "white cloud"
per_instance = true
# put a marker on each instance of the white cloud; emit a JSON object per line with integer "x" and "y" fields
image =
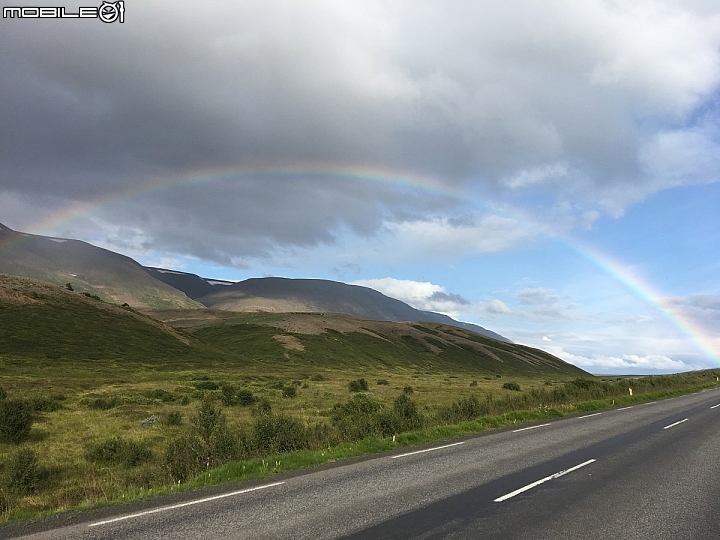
{"x": 443, "y": 237}
{"x": 537, "y": 175}
{"x": 419, "y": 294}
{"x": 535, "y": 304}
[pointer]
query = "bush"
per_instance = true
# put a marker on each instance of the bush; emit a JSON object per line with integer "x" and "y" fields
{"x": 161, "y": 395}
{"x": 15, "y": 420}
{"x": 382, "y": 382}
{"x": 474, "y": 383}
{"x": 118, "y": 451}
{"x": 262, "y": 406}
{"x": 406, "y": 414}
{"x": 511, "y": 386}
{"x": 358, "y": 385}
{"x": 229, "y": 395}
{"x": 464, "y": 409}
{"x": 289, "y": 391}
{"x": 278, "y": 433}
{"x": 317, "y": 377}
{"x": 23, "y": 472}
{"x": 208, "y": 419}
{"x": 408, "y": 390}
{"x": 103, "y": 403}
{"x": 3, "y": 393}
{"x": 174, "y": 418}
{"x": 206, "y": 385}
{"x": 357, "y": 418}
{"x": 184, "y": 457}
{"x": 245, "y": 398}
{"x": 39, "y": 404}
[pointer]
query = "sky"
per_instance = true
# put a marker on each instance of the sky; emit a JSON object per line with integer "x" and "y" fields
{"x": 546, "y": 169}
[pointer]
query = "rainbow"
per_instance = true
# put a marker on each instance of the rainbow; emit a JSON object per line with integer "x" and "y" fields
{"x": 403, "y": 182}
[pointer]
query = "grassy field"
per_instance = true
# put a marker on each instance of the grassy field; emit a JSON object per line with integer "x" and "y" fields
{"x": 125, "y": 405}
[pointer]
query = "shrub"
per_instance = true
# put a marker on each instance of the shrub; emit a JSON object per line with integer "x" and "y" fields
{"x": 43, "y": 404}
{"x": 161, "y": 395}
{"x": 15, "y": 420}
{"x": 262, "y": 406}
{"x": 406, "y": 414}
{"x": 229, "y": 395}
{"x": 226, "y": 446}
{"x": 184, "y": 457}
{"x": 289, "y": 391}
{"x": 245, "y": 398}
{"x": 118, "y": 451}
{"x": 464, "y": 409}
{"x": 278, "y": 433}
{"x": 103, "y": 403}
{"x": 474, "y": 383}
{"x": 382, "y": 382}
{"x": 317, "y": 377}
{"x": 358, "y": 385}
{"x": 3, "y": 393}
{"x": 174, "y": 418}
{"x": 357, "y": 418}
{"x": 69, "y": 286}
{"x": 206, "y": 385}
{"x": 23, "y": 472}
{"x": 511, "y": 386}
{"x": 208, "y": 419}
{"x": 408, "y": 390}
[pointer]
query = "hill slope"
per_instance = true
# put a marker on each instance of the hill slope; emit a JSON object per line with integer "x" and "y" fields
{"x": 49, "y": 327}
{"x": 109, "y": 275}
{"x": 282, "y": 295}
{"x": 344, "y": 342}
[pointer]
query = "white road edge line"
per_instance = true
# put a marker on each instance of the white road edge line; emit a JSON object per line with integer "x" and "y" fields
{"x": 625, "y": 408}
{"x": 588, "y": 415}
{"x": 650, "y": 402}
{"x": 174, "y": 506}
{"x": 531, "y": 427}
{"x": 675, "y": 424}
{"x": 542, "y": 481}
{"x": 427, "y": 450}
{"x": 715, "y": 406}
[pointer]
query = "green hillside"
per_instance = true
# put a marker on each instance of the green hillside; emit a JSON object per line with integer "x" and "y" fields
{"x": 344, "y": 342}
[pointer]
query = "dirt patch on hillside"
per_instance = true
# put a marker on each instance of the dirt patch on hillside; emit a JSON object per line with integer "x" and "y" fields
{"x": 291, "y": 343}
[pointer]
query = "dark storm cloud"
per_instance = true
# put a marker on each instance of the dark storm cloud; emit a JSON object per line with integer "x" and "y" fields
{"x": 563, "y": 97}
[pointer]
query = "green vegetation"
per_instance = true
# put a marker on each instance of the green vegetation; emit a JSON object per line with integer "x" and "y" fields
{"x": 99, "y": 404}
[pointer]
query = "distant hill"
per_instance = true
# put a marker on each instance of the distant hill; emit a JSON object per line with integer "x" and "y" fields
{"x": 192, "y": 285}
{"x": 109, "y": 275}
{"x": 347, "y": 343}
{"x": 49, "y": 324}
{"x": 280, "y": 295}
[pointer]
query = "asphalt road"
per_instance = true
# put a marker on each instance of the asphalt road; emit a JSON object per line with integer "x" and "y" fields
{"x": 651, "y": 471}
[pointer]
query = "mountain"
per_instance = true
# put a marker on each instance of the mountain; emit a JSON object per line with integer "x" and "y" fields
{"x": 109, "y": 275}
{"x": 192, "y": 285}
{"x": 280, "y": 295}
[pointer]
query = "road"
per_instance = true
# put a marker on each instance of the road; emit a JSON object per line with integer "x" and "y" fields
{"x": 651, "y": 471}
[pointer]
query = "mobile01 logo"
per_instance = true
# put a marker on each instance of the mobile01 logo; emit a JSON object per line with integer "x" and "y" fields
{"x": 108, "y": 12}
